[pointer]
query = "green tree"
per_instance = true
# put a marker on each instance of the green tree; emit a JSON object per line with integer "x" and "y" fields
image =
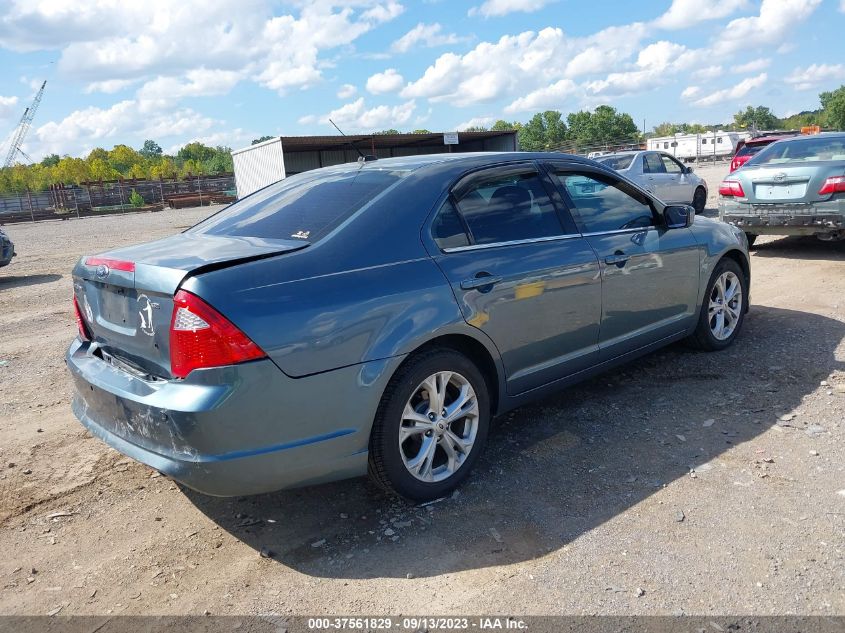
{"x": 123, "y": 157}
{"x": 390, "y": 131}
{"x": 475, "y": 128}
{"x": 151, "y": 149}
{"x": 220, "y": 162}
{"x": 544, "y": 131}
{"x": 603, "y": 126}
{"x": 51, "y": 160}
{"x": 195, "y": 151}
{"x": 833, "y": 108}
{"x": 71, "y": 171}
{"x": 261, "y": 139}
{"x": 503, "y": 126}
{"x": 101, "y": 170}
{"x": 759, "y": 118}
{"x": 165, "y": 168}
{"x": 136, "y": 199}
{"x": 98, "y": 153}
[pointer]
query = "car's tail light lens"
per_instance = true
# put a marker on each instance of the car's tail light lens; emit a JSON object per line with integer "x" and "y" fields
{"x": 202, "y": 337}
{"x": 731, "y": 188}
{"x": 834, "y": 184}
{"x": 84, "y": 334}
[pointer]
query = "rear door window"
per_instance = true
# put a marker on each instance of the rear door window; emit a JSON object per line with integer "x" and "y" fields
{"x": 303, "y": 207}
{"x": 506, "y": 205}
{"x": 448, "y": 229}
{"x": 652, "y": 164}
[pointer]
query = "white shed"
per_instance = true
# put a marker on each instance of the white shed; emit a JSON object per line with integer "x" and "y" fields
{"x": 258, "y": 165}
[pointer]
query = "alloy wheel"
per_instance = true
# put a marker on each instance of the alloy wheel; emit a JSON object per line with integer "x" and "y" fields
{"x": 439, "y": 426}
{"x": 725, "y": 306}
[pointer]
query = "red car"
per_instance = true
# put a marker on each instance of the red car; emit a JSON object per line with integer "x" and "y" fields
{"x": 746, "y": 149}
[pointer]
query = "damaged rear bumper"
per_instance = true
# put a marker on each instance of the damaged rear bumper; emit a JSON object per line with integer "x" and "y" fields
{"x": 226, "y": 431}
{"x": 804, "y": 219}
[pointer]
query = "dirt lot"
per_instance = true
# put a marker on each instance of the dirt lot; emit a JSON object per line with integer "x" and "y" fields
{"x": 683, "y": 483}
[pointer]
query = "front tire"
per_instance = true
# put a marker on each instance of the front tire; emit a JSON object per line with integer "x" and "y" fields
{"x": 751, "y": 237}
{"x": 723, "y": 309}
{"x": 699, "y": 200}
{"x": 431, "y": 425}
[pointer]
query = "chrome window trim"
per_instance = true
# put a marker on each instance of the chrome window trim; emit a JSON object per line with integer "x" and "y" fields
{"x": 616, "y": 231}
{"x": 476, "y": 247}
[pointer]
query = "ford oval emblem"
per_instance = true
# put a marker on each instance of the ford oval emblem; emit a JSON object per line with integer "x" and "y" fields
{"x": 780, "y": 177}
{"x": 102, "y": 271}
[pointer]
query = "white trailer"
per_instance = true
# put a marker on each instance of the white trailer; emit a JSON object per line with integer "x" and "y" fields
{"x": 691, "y": 147}
{"x": 258, "y": 165}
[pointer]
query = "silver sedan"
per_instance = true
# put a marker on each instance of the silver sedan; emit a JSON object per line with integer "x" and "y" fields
{"x": 662, "y": 175}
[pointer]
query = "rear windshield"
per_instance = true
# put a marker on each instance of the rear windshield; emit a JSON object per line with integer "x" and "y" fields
{"x": 303, "y": 207}
{"x": 801, "y": 150}
{"x": 749, "y": 150}
{"x": 616, "y": 162}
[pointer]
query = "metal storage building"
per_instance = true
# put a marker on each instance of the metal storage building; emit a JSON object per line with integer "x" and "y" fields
{"x": 265, "y": 163}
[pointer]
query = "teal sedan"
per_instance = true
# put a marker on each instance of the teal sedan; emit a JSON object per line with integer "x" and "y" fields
{"x": 374, "y": 317}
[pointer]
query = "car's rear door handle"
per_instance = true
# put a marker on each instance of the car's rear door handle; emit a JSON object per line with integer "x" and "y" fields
{"x": 480, "y": 281}
{"x": 618, "y": 259}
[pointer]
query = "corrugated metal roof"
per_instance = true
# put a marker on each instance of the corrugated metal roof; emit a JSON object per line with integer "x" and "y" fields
{"x": 381, "y": 141}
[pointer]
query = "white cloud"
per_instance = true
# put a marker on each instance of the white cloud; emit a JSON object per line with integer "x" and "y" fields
{"x": 199, "y": 82}
{"x": 549, "y": 97}
{"x": 776, "y": 19}
{"x": 496, "y": 8}
{"x": 690, "y": 92}
{"x": 708, "y": 72}
{"x": 428, "y": 35}
{"x": 82, "y": 130}
{"x": 755, "y": 65}
{"x": 110, "y": 86}
{"x": 356, "y": 117}
{"x": 816, "y": 75}
{"x": 733, "y": 93}
{"x": 382, "y": 83}
{"x": 683, "y": 14}
{"x": 478, "y": 121}
{"x": 346, "y": 91}
{"x": 7, "y": 106}
{"x": 842, "y": 6}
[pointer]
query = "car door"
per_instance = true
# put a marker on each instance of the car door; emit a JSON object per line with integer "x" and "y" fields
{"x": 521, "y": 272}
{"x": 650, "y": 274}
{"x": 655, "y": 178}
{"x": 679, "y": 184}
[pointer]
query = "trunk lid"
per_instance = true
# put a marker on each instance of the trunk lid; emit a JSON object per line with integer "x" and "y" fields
{"x": 126, "y": 295}
{"x": 786, "y": 183}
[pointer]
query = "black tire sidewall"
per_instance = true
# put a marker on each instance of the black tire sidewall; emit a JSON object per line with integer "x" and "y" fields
{"x": 390, "y": 416}
{"x": 699, "y": 191}
{"x": 703, "y": 333}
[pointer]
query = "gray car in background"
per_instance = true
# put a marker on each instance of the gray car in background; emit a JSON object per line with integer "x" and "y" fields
{"x": 7, "y": 249}
{"x": 662, "y": 175}
{"x": 376, "y": 316}
{"x": 792, "y": 187}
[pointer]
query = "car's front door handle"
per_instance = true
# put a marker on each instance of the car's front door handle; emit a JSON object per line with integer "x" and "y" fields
{"x": 480, "y": 281}
{"x": 618, "y": 258}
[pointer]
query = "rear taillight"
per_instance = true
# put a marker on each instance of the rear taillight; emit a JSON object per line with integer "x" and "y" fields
{"x": 202, "y": 337}
{"x": 731, "y": 188}
{"x": 84, "y": 334}
{"x": 834, "y": 184}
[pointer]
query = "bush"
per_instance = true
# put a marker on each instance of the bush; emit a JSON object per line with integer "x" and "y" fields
{"x": 136, "y": 199}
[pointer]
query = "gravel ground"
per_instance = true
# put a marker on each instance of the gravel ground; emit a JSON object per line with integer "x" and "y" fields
{"x": 682, "y": 483}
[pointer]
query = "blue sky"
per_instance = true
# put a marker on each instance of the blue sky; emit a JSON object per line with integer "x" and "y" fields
{"x": 227, "y": 71}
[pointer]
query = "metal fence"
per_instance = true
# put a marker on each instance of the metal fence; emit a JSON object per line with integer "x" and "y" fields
{"x": 99, "y": 198}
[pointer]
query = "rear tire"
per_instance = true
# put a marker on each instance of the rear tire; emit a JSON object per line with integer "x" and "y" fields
{"x": 699, "y": 200}
{"x": 436, "y": 452}
{"x": 723, "y": 309}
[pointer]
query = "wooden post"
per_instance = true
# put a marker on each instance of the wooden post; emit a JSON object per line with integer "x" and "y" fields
{"x": 199, "y": 187}
{"x": 29, "y": 199}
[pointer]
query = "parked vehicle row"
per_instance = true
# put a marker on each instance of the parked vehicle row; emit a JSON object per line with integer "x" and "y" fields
{"x": 794, "y": 186}
{"x": 375, "y": 316}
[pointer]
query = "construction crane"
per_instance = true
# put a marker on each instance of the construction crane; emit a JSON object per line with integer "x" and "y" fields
{"x": 23, "y": 127}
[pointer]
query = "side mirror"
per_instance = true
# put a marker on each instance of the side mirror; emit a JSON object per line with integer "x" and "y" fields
{"x": 678, "y": 216}
{"x": 689, "y": 170}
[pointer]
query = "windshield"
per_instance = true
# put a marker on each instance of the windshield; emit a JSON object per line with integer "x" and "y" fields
{"x": 617, "y": 162}
{"x": 303, "y": 207}
{"x": 801, "y": 150}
